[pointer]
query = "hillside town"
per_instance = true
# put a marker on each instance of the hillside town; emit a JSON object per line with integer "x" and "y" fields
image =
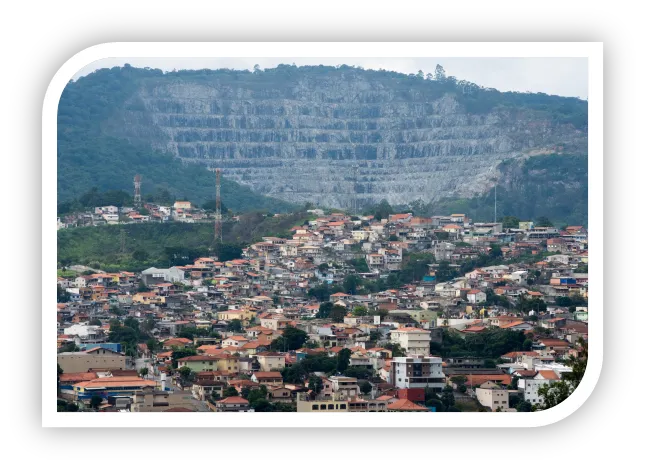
{"x": 346, "y": 314}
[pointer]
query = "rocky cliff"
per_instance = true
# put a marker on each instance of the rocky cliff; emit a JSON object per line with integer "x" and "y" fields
{"x": 326, "y": 135}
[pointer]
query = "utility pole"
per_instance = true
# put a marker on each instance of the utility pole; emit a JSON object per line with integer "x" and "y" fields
{"x": 495, "y": 201}
{"x": 218, "y": 207}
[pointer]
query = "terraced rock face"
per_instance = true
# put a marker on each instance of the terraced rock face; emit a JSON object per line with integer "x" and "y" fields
{"x": 325, "y": 137}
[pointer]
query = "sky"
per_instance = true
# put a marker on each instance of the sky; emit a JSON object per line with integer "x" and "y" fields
{"x": 560, "y": 76}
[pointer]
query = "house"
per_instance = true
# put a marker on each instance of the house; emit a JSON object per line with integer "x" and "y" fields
{"x": 180, "y": 342}
{"x": 405, "y": 405}
{"x": 518, "y": 326}
{"x": 491, "y": 395}
{"x": 233, "y": 404}
{"x": 280, "y": 394}
{"x": 270, "y": 361}
{"x": 272, "y": 378}
{"x": 203, "y": 389}
{"x": 476, "y": 296}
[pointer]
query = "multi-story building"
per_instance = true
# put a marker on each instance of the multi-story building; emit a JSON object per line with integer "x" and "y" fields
{"x": 345, "y": 387}
{"x": 417, "y": 372}
{"x": 491, "y": 395}
{"x": 415, "y": 341}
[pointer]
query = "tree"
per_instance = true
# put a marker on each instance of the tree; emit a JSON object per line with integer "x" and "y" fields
{"x": 315, "y": 384}
{"x": 436, "y": 403}
{"x": 185, "y": 371}
{"x": 366, "y": 387}
{"x": 142, "y": 287}
{"x": 338, "y": 313}
{"x": 60, "y": 370}
{"x": 543, "y": 221}
{"x": 152, "y": 345}
{"x": 144, "y": 371}
{"x": 95, "y": 401}
{"x": 262, "y": 405}
{"x": 558, "y": 391}
{"x": 351, "y": 283}
{"x": 324, "y": 309}
{"x": 510, "y": 222}
{"x": 489, "y": 363}
{"x": 447, "y": 397}
{"x": 439, "y": 73}
{"x": 235, "y": 325}
{"x": 396, "y": 349}
{"x": 459, "y": 380}
{"x": 62, "y": 296}
{"x": 360, "y": 311}
{"x": 343, "y": 359}
{"x": 291, "y": 339}
{"x": 230, "y": 392}
{"x": 70, "y": 347}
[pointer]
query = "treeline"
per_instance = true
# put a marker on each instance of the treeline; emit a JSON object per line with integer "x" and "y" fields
{"x": 141, "y": 245}
{"x": 491, "y": 343}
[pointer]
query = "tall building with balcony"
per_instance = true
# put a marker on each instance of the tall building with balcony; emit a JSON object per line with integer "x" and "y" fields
{"x": 415, "y": 341}
{"x": 417, "y": 372}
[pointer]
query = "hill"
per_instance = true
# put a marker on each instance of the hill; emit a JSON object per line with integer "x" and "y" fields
{"x": 165, "y": 244}
{"x": 326, "y": 135}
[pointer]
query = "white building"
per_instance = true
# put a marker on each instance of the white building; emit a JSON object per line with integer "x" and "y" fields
{"x": 417, "y": 372}
{"x": 415, "y": 341}
{"x": 491, "y": 395}
{"x": 476, "y": 296}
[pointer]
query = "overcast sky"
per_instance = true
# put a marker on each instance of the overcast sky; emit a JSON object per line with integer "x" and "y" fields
{"x": 560, "y": 76}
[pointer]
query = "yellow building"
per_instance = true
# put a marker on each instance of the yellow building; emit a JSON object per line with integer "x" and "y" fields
{"x": 148, "y": 298}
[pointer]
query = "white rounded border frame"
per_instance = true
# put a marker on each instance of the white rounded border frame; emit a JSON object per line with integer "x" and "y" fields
{"x": 593, "y": 51}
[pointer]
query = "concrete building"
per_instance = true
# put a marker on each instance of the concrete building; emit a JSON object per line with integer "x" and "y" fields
{"x": 345, "y": 387}
{"x": 417, "y": 372}
{"x": 491, "y": 395}
{"x": 153, "y": 275}
{"x": 414, "y": 340}
{"x": 96, "y": 358}
{"x": 270, "y": 361}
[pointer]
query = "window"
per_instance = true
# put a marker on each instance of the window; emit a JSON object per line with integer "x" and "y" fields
{"x": 323, "y": 406}
{"x": 343, "y": 406}
{"x": 314, "y": 407}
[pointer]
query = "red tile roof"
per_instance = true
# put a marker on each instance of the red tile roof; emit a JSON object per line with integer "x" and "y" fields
{"x": 406, "y": 405}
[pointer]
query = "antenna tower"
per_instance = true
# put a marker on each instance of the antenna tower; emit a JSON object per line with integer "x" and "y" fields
{"x": 137, "y": 190}
{"x": 218, "y": 207}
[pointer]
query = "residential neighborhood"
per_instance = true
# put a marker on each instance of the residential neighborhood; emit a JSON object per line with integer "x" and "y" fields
{"x": 344, "y": 314}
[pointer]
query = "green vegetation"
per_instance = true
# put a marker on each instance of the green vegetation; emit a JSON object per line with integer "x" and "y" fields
{"x": 553, "y": 186}
{"x": 491, "y": 343}
{"x": 165, "y": 244}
